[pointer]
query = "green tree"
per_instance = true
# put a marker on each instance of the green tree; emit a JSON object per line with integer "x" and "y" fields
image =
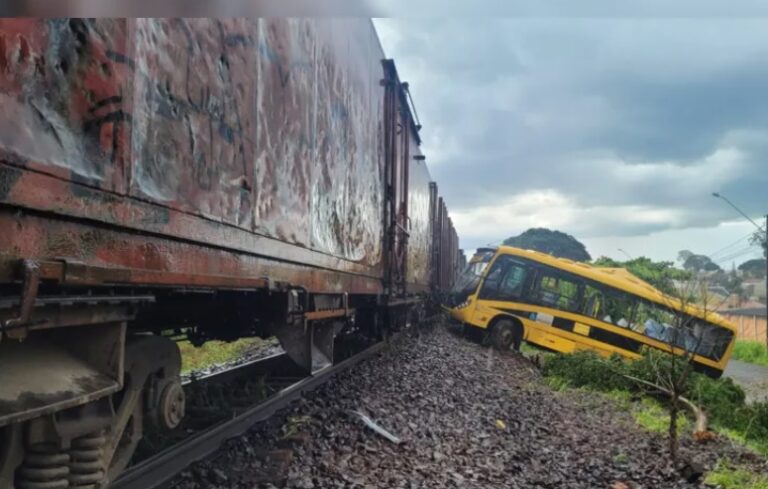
{"x": 697, "y": 263}
{"x": 683, "y": 255}
{"x": 554, "y": 243}
{"x": 753, "y": 268}
{"x": 660, "y": 274}
{"x": 759, "y": 239}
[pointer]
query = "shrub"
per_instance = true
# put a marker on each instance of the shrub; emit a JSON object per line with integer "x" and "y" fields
{"x": 588, "y": 369}
{"x": 722, "y": 398}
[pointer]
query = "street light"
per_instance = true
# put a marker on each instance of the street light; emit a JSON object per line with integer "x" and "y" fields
{"x": 765, "y": 246}
{"x": 717, "y": 195}
{"x": 628, "y": 255}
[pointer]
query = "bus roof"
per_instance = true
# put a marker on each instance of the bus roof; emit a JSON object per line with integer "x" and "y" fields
{"x": 619, "y": 278}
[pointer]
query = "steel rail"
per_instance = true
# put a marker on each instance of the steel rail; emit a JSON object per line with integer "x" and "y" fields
{"x": 160, "y": 469}
{"x": 250, "y": 367}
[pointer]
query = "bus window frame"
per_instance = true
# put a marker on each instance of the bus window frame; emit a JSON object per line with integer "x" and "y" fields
{"x": 541, "y": 270}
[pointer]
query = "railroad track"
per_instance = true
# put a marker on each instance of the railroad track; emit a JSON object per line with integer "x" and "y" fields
{"x": 157, "y": 470}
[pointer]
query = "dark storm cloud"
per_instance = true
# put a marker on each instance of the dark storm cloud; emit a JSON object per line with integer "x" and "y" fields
{"x": 629, "y": 123}
{"x": 685, "y": 120}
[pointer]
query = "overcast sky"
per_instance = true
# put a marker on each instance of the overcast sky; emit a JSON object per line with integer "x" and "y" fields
{"x": 616, "y": 130}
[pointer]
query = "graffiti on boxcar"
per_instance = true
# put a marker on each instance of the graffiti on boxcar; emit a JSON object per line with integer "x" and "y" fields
{"x": 190, "y": 143}
{"x": 55, "y": 72}
{"x": 106, "y": 127}
{"x": 121, "y": 58}
{"x": 206, "y": 117}
{"x": 347, "y": 105}
{"x": 285, "y": 133}
{"x": 78, "y": 68}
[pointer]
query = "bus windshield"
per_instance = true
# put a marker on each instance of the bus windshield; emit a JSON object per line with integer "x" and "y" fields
{"x": 469, "y": 279}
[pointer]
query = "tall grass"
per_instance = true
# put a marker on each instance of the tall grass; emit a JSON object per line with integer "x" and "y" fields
{"x": 751, "y": 351}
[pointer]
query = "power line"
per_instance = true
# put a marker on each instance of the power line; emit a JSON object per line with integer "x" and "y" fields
{"x": 736, "y": 254}
{"x": 745, "y": 251}
{"x": 711, "y": 255}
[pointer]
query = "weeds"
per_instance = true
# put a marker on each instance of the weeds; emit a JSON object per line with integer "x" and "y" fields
{"x": 651, "y": 415}
{"x": 751, "y": 351}
{"x": 212, "y": 353}
{"x": 728, "y": 477}
{"x": 721, "y": 399}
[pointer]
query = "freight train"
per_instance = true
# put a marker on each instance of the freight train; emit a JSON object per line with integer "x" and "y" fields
{"x": 221, "y": 178}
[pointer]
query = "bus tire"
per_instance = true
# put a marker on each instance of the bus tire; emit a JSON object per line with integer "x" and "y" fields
{"x": 506, "y": 333}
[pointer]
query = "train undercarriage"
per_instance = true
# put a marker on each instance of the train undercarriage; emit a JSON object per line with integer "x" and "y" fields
{"x": 112, "y": 368}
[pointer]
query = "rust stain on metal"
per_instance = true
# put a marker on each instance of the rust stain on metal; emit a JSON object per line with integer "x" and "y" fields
{"x": 333, "y": 313}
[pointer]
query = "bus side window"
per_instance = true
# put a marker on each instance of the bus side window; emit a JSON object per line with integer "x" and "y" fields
{"x": 512, "y": 285}
{"x": 556, "y": 291}
{"x": 619, "y": 308}
{"x": 713, "y": 340}
{"x": 656, "y": 322}
{"x": 594, "y": 302}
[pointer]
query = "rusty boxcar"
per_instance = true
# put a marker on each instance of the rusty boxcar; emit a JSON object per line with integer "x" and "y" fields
{"x": 222, "y": 177}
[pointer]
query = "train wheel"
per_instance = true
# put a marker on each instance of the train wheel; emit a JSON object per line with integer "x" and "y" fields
{"x": 152, "y": 369}
{"x": 506, "y": 334}
{"x": 90, "y": 444}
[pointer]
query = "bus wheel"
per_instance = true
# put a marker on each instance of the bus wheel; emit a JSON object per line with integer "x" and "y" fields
{"x": 505, "y": 334}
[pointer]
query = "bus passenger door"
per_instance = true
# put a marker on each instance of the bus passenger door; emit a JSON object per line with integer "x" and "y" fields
{"x": 507, "y": 282}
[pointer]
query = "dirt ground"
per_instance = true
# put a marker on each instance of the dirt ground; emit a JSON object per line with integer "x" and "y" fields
{"x": 466, "y": 417}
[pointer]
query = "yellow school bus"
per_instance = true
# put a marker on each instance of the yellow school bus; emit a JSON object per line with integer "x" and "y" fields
{"x": 566, "y": 306}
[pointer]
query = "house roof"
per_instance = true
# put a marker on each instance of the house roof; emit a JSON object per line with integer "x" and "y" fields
{"x": 745, "y": 311}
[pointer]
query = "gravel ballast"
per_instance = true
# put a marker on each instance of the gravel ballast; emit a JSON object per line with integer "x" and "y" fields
{"x": 466, "y": 417}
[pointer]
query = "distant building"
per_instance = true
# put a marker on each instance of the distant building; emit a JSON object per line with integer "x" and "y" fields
{"x": 719, "y": 292}
{"x": 751, "y": 322}
{"x": 754, "y": 288}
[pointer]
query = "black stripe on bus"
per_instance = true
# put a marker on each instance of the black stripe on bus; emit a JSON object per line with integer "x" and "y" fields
{"x": 713, "y": 372}
{"x": 557, "y": 322}
{"x": 595, "y": 332}
{"x": 615, "y": 339}
{"x": 564, "y": 324}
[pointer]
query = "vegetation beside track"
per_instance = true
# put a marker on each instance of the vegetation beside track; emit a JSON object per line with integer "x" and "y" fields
{"x": 751, "y": 352}
{"x": 722, "y": 400}
{"x": 213, "y": 353}
{"x": 729, "y": 477}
